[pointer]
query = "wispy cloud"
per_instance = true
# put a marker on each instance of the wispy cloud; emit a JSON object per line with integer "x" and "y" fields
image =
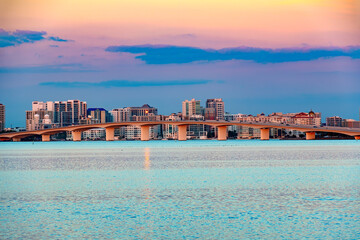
{"x": 167, "y": 54}
{"x": 8, "y": 38}
{"x": 124, "y": 83}
{"x": 57, "y": 39}
{"x": 73, "y": 67}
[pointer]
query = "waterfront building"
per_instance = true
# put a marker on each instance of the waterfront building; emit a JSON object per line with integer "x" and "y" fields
{"x": 190, "y": 108}
{"x": 247, "y": 132}
{"x": 218, "y": 105}
{"x": 128, "y": 114}
{"x": 136, "y": 114}
{"x": 351, "y": 123}
{"x": 196, "y": 131}
{"x": 171, "y": 131}
{"x": 39, "y": 120}
{"x": 99, "y": 115}
{"x": 2, "y": 117}
{"x": 301, "y": 118}
{"x": 310, "y": 118}
{"x": 94, "y": 134}
{"x": 334, "y": 121}
{"x": 120, "y": 114}
{"x": 64, "y": 113}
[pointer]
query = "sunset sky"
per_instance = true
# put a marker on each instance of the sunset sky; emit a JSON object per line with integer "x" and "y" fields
{"x": 259, "y": 56}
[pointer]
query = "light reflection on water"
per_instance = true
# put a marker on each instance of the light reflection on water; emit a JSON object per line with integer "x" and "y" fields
{"x": 167, "y": 189}
{"x": 147, "y": 158}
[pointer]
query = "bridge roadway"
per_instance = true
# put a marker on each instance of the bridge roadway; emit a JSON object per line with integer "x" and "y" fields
{"x": 182, "y": 127}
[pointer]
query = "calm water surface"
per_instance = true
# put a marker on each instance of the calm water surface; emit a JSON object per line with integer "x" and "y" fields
{"x": 180, "y": 190}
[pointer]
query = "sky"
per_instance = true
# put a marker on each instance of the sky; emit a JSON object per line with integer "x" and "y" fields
{"x": 258, "y": 56}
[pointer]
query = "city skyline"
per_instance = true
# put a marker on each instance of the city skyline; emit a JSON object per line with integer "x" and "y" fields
{"x": 278, "y": 56}
{"x": 42, "y": 105}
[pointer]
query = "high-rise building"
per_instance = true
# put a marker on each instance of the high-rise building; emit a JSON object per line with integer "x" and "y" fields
{"x": 2, "y": 117}
{"x": 120, "y": 115}
{"x": 190, "y": 108}
{"x": 60, "y": 113}
{"x": 218, "y": 105}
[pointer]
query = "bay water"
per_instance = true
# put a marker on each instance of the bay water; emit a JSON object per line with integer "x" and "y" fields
{"x": 198, "y": 189}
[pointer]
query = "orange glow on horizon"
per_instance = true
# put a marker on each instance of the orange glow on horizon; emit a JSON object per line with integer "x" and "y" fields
{"x": 141, "y": 21}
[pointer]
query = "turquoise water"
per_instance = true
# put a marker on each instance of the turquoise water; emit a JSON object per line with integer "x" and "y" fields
{"x": 180, "y": 190}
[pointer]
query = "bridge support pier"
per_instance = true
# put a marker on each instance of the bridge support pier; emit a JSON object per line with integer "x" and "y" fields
{"x": 182, "y": 132}
{"x": 264, "y": 134}
{"x": 16, "y": 139}
{"x": 76, "y": 135}
{"x": 310, "y": 135}
{"x": 222, "y": 133}
{"x": 45, "y": 137}
{"x": 145, "y": 136}
{"x": 357, "y": 137}
{"x": 109, "y": 134}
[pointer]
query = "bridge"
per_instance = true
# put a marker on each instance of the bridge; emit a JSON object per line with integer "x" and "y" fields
{"x": 182, "y": 129}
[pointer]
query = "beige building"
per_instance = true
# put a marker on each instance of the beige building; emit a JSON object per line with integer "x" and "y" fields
{"x": 94, "y": 134}
{"x": 334, "y": 121}
{"x": 190, "y": 108}
{"x": 136, "y": 114}
{"x": 302, "y": 118}
{"x": 171, "y": 131}
{"x": 351, "y": 123}
{"x": 65, "y": 113}
{"x": 39, "y": 120}
{"x": 218, "y": 105}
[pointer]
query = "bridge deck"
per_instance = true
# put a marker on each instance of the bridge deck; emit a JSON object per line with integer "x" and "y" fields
{"x": 79, "y": 128}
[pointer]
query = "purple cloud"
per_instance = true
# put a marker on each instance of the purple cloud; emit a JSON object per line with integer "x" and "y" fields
{"x": 57, "y": 39}
{"x": 125, "y": 83}
{"x": 8, "y": 38}
{"x": 168, "y": 54}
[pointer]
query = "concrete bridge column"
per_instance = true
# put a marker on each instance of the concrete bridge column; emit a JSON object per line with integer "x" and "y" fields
{"x": 109, "y": 131}
{"x": 264, "y": 134}
{"x": 76, "y": 136}
{"x": 182, "y": 132}
{"x": 145, "y": 136}
{"x": 357, "y": 137}
{"x": 310, "y": 135}
{"x": 45, "y": 137}
{"x": 222, "y": 132}
{"x": 16, "y": 139}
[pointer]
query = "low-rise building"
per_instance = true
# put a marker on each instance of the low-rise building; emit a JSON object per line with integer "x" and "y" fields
{"x": 351, "y": 123}
{"x": 334, "y": 121}
{"x": 94, "y": 134}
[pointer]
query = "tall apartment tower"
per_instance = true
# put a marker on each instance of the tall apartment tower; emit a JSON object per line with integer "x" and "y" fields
{"x": 2, "y": 117}
{"x": 218, "y": 105}
{"x": 60, "y": 113}
{"x": 190, "y": 108}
